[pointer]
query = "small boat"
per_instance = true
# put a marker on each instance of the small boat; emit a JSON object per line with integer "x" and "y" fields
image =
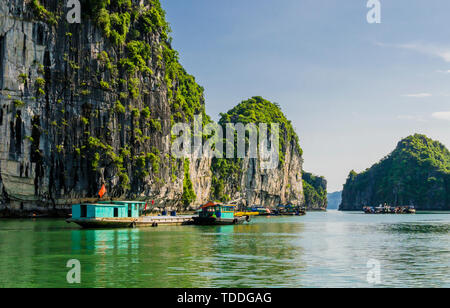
{"x": 241, "y": 214}
{"x": 369, "y": 210}
{"x": 289, "y": 210}
{"x": 219, "y": 214}
{"x": 254, "y": 211}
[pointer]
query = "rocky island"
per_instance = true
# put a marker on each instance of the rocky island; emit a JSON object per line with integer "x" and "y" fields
{"x": 416, "y": 173}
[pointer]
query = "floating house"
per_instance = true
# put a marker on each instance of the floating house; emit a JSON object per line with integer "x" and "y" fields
{"x": 108, "y": 209}
{"x": 120, "y": 214}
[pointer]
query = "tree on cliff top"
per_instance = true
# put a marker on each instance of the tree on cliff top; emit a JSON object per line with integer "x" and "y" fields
{"x": 315, "y": 191}
{"x": 254, "y": 110}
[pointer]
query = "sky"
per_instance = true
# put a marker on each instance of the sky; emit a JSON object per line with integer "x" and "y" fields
{"x": 352, "y": 89}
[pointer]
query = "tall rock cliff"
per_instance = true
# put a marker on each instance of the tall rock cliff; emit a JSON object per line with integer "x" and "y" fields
{"x": 92, "y": 103}
{"x": 416, "y": 173}
{"x": 243, "y": 179}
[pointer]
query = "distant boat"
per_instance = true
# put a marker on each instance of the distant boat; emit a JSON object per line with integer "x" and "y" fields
{"x": 386, "y": 209}
{"x": 218, "y": 214}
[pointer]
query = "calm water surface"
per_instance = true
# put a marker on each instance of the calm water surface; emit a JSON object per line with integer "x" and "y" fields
{"x": 318, "y": 250}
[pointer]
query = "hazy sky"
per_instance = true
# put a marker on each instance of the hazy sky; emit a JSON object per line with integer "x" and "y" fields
{"x": 351, "y": 89}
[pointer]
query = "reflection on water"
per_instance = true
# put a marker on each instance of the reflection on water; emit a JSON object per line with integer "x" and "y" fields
{"x": 318, "y": 250}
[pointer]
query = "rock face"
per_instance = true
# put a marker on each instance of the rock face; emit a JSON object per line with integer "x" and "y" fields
{"x": 416, "y": 173}
{"x": 315, "y": 191}
{"x": 91, "y": 103}
{"x": 244, "y": 180}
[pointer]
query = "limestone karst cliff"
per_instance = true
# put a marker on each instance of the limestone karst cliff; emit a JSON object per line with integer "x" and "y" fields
{"x": 87, "y": 104}
{"x": 91, "y": 103}
{"x": 244, "y": 179}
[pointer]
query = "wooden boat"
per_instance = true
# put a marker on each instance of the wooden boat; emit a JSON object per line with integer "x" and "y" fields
{"x": 218, "y": 214}
{"x": 246, "y": 213}
{"x": 254, "y": 211}
{"x": 120, "y": 214}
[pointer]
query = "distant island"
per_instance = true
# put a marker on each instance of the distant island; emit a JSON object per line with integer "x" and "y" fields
{"x": 416, "y": 173}
{"x": 334, "y": 200}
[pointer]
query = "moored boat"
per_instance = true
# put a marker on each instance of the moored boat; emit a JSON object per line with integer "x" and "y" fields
{"x": 289, "y": 210}
{"x": 107, "y": 214}
{"x": 254, "y": 211}
{"x": 120, "y": 214}
{"x": 218, "y": 214}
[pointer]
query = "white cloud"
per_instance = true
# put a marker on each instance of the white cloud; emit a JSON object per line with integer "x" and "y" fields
{"x": 418, "y": 95}
{"x": 417, "y": 118}
{"x": 442, "y": 52}
{"x": 443, "y": 115}
{"x": 443, "y": 71}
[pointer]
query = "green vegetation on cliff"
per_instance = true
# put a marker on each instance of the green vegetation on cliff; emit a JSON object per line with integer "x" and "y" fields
{"x": 416, "y": 173}
{"x": 258, "y": 110}
{"x": 188, "y": 189}
{"x": 254, "y": 110}
{"x": 315, "y": 191}
{"x": 137, "y": 72}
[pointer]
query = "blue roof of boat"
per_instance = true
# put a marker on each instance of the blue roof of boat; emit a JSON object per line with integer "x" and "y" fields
{"x": 102, "y": 204}
{"x": 122, "y": 202}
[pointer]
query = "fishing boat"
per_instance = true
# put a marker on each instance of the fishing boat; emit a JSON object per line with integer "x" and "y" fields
{"x": 120, "y": 214}
{"x": 218, "y": 214}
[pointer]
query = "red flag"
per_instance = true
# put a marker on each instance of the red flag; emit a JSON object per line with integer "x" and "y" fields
{"x": 102, "y": 191}
{"x": 153, "y": 202}
{"x": 145, "y": 206}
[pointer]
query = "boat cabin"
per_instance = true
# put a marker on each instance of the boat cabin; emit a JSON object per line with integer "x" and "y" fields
{"x": 216, "y": 210}
{"x": 135, "y": 208}
{"x": 108, "y": 209}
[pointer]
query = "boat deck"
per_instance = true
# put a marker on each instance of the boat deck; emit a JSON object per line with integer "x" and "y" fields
{"x": 164, "y": 220}
{"x": 145, "y": 221}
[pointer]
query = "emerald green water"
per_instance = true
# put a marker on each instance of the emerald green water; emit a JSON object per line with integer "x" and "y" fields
{"x": 318, "y": 250}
